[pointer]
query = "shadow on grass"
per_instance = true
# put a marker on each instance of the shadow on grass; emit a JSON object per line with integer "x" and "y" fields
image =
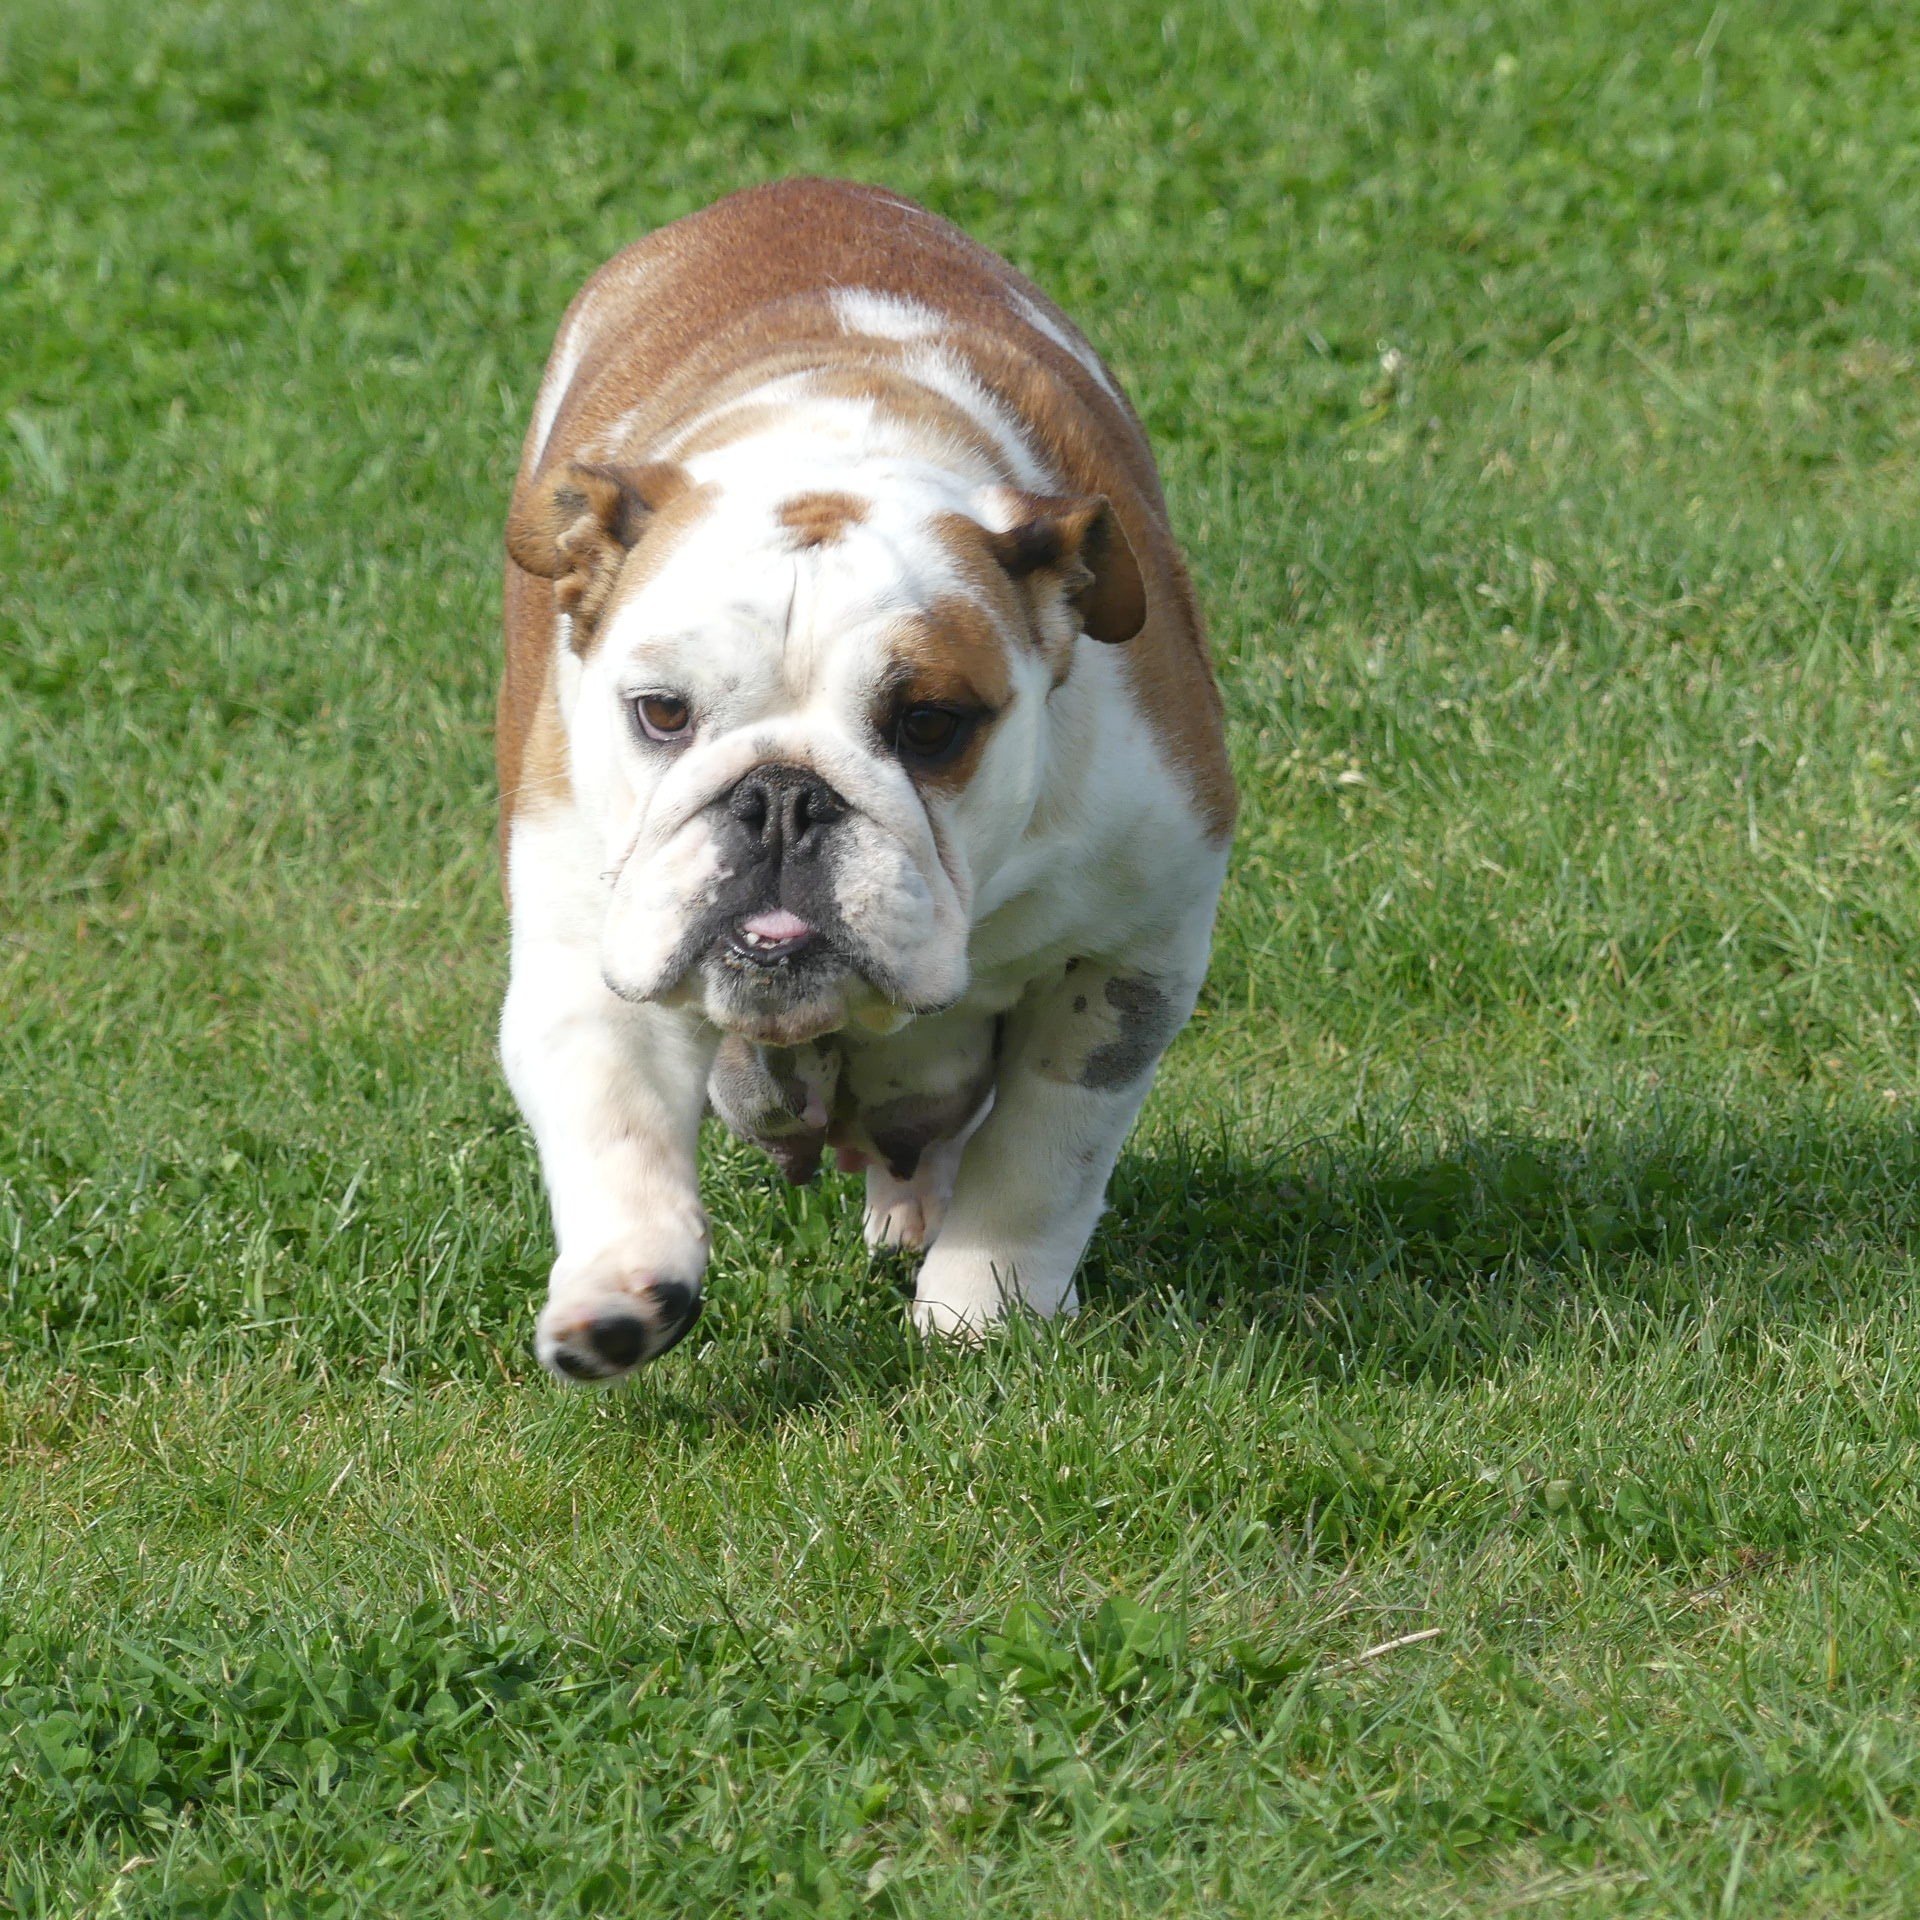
{"x": 1353, "y": 1253}
{"x": 1363, "y": 1258}
{"x": 1376, "y": 1259}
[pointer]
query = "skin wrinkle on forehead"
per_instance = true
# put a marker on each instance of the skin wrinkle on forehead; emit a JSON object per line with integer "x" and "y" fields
{"x": 861, "y": 588}
{"x": 804, "y": 649}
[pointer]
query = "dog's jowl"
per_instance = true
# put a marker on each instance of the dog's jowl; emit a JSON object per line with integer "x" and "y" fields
{"x": 861, "y": 759}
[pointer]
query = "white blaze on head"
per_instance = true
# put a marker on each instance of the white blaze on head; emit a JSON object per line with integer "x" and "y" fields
{"x": 885, "y": 316}
{"x": 1042, "y": 322}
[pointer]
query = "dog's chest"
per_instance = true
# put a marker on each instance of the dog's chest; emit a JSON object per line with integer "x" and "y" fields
{"x": 883, "y": 1101}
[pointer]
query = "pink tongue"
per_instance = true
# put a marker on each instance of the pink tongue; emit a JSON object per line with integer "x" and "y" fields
{"x": 777, "y": 924}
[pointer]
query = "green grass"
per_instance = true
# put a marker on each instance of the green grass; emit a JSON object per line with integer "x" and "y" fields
{"x": 1514, "y": 1269}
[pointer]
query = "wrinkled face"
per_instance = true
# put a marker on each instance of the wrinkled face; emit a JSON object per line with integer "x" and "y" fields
{"x": 807, "y": 726}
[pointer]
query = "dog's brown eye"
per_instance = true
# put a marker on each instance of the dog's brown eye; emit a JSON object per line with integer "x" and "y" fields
{"x": 930, "y": 733}
{"x": 662, "y": 716}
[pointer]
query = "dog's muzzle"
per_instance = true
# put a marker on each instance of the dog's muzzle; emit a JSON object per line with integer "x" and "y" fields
{"x": 782, "y": 820}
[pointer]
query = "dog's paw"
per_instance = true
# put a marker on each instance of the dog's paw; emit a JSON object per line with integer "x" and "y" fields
{"x": 962, "y": 1297}
{"x": 909, "y": 1213}
{"x": 612, "y": 1312}
{"x": 959, "y": 1326}
{"x": 898, "y": 1214}
{"x": 903, "y": 1225}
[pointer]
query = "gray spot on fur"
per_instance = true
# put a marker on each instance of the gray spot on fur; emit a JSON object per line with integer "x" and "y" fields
{"x": 1146, "y": 1023}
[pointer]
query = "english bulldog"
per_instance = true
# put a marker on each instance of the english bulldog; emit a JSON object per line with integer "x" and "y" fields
{"x": 860, "y": 754}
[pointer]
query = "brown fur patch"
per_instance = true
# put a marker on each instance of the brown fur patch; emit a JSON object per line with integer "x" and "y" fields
{"x": 819, "y": 519}
{"x": 971, "y": 548}
{"x": 529, "y": 743}
{"x": 952, "y": 655}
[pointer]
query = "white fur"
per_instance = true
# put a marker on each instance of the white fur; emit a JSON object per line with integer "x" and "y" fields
{"x": 885, "y": 315}
{"x": 1037, "y": 317}
{"x": 553, "y": 389}
{"x": 613, "y": 1092}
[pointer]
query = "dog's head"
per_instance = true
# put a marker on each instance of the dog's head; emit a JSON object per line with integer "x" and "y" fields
{"x": 808, "y": 721}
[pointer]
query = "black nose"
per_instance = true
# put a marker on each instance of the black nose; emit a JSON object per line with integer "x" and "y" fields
{"x": 787, "y": 809}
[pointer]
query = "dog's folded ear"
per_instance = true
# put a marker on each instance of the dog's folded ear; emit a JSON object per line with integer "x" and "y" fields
{"x": 1081, "y": 544}
{"x": 576, "y": 525}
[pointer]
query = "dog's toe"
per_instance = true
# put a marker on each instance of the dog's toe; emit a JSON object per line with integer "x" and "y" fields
{"x": 903, "y": 1224}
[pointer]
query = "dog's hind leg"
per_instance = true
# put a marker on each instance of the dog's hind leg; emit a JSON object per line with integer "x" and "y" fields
{"x": 908, "y": 1212}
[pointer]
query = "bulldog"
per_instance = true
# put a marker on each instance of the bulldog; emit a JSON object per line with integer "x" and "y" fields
{"x": 860, "y": 754}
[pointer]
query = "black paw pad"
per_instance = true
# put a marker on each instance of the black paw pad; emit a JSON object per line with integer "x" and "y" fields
{"x": 619, "y": 1339}
{"x": 677, "y": 1306}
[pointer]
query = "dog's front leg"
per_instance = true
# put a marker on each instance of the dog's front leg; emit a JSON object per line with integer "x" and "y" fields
{"x": 614, "y": 1094}
{"x": 1080, "y": 1054}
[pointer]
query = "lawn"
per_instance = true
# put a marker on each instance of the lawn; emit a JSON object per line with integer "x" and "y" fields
{"x": 1483, "y": 1478}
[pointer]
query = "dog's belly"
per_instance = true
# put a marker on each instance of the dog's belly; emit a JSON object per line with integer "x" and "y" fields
{"x": 877, "y": 1102}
